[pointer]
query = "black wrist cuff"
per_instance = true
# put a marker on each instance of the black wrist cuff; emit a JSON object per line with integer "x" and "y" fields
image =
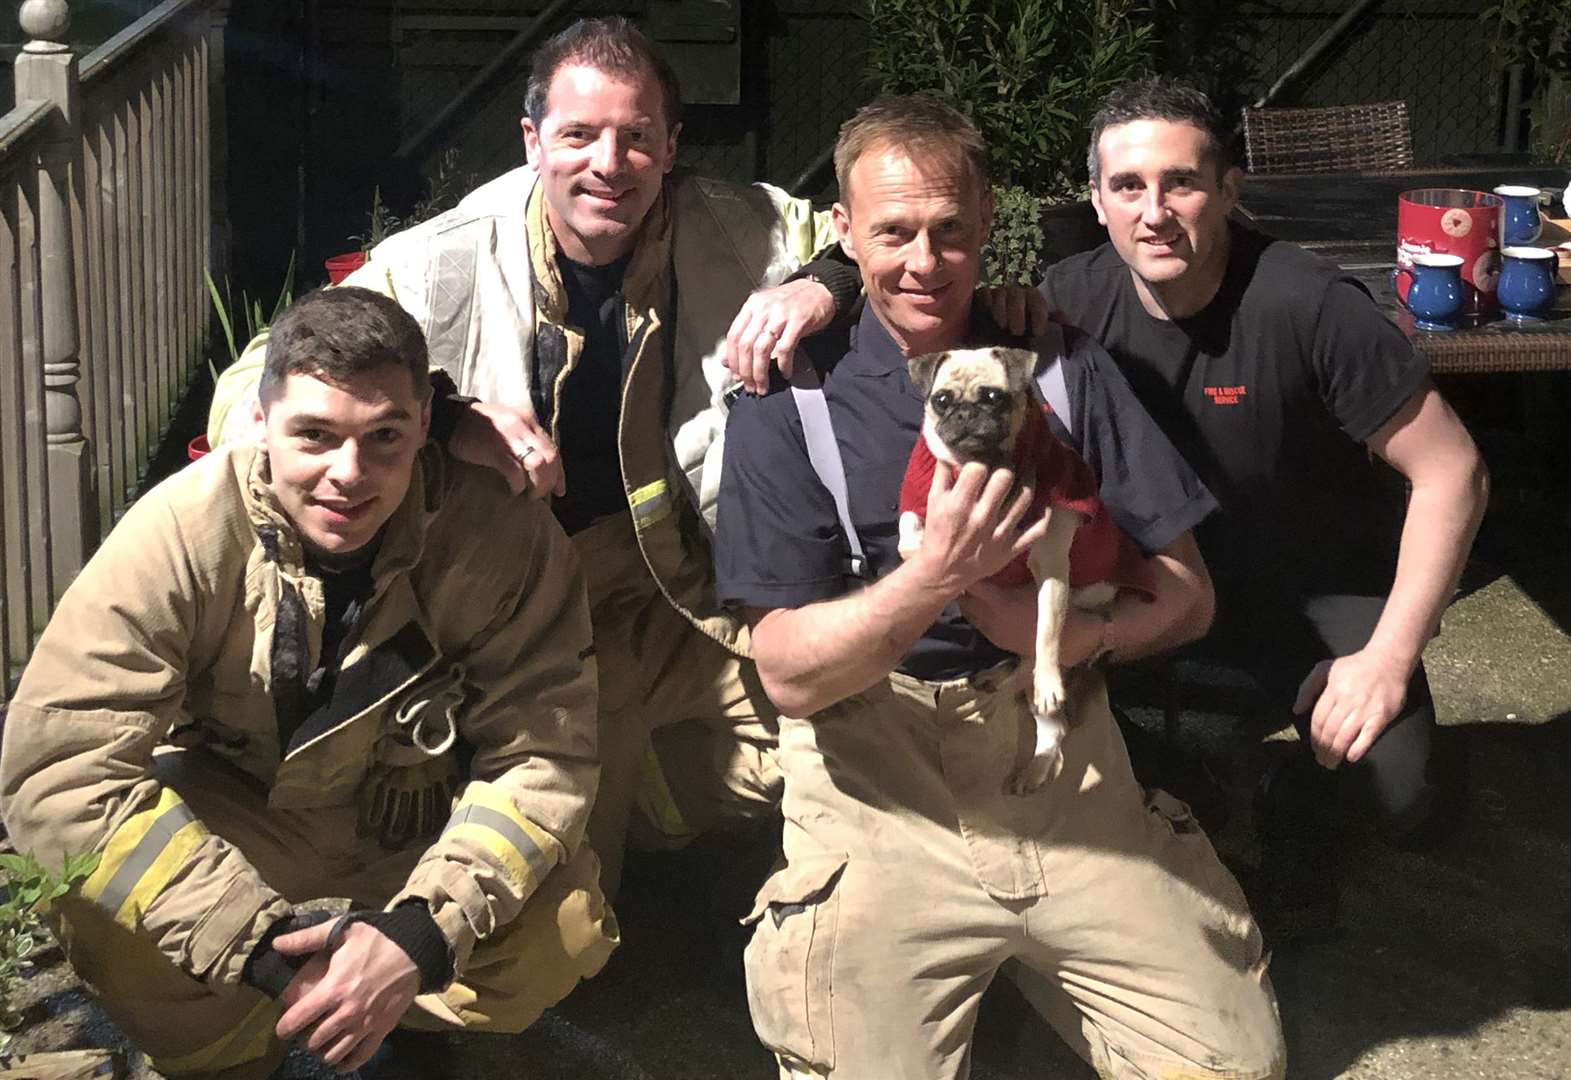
{"x": 843, "y": 282}
{"x": 411, "y": 927}
{"x": 269, "y": 970}
{"x": 447, "y": 407}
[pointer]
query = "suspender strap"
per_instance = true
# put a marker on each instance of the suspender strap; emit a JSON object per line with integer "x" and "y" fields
{"x": 1051, "y": 347}
{"x": 824, "y": 453}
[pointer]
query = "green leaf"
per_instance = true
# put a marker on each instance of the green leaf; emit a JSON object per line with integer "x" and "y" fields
{"x": 221, "y": 309}
{"x": 80, "y": 867}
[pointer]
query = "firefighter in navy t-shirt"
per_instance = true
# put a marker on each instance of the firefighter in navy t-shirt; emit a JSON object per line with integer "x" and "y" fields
{"x": 1349, "y": 491}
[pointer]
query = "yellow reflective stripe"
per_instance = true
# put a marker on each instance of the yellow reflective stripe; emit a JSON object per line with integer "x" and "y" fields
{"x": 247, "y": 1041}
{"x": 657, "y": 803}
{"x": 650, "y": 504}
{"x": 142, "y": 856}
{"x": 487, "y": 816}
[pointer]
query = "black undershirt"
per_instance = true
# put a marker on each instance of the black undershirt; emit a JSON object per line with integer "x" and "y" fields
{"x": 590, "y": 405}
{"x": 347, "y": 586}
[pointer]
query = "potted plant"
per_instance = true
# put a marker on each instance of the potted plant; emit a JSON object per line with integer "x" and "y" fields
{"x": 256, "y": 320}
{"x": 443, "y": 190}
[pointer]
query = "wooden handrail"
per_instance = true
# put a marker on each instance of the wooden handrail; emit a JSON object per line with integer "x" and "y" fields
{"x": 26, "y": 121}
{"x": 121, "y": 48}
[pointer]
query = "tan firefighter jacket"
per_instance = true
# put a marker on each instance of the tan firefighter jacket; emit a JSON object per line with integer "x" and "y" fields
{"x": 478, "y": 614}
{"x": 482, "y": 281}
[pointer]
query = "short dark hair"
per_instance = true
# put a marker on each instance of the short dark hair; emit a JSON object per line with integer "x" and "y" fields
{"x": 916, "y": 123}
{"x": 611, "y": 45}
{"x": 1160, "y": 98}
{"x": 338, "y": 334}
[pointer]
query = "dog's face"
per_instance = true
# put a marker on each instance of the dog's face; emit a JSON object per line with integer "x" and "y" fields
{"x": 976, "y": 402}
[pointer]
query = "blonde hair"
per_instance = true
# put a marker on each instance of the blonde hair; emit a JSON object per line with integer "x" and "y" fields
{"x": 916, "y": 124}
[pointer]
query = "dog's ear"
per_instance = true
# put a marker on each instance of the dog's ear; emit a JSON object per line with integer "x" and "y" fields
{"x": 923, "y": 369}
{"x": 1019, "y": 365}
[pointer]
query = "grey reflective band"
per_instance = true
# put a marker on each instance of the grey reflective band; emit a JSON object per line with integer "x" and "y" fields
{"x": 142, "y": 857}
{"x": 1050, "y": 375}
{"x": 508, "y": 829}
{"x": 824, "y": 453}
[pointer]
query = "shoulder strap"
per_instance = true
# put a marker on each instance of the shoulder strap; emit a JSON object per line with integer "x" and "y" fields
{"x": 824, "y": 453}
{"x": 1050, "y": 348}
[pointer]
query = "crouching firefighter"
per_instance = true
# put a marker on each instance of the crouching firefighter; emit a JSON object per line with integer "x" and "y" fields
{"x": 304, "y": 670}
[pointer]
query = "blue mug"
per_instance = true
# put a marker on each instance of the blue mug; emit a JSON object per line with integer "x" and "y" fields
{"x": 1435, "y": 295}
{"x": 1527, "y": 283}
{"x": 1520, "y": 222}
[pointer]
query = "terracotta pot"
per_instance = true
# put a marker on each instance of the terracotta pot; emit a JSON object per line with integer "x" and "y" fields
{"x": 341, "y": 266}
{"x": 197, "y": 448}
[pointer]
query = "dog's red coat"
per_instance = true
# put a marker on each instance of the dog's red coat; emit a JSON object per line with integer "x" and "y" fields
{"x": 1101, "y": 551}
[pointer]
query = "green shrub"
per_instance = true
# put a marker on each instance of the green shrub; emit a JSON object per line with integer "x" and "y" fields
{"x": 30, "y": 891}
{"x": 1537, "y": 34}
{"x": 1029, "y": 73}
{"x": 1013, "y": 254}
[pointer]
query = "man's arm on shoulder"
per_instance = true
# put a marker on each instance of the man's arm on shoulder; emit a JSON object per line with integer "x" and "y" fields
{"x": 105, "y": 685}
{"x": 1363, "y": 692}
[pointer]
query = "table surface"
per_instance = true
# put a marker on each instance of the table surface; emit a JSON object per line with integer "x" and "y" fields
{"x": 1351, "y": 218}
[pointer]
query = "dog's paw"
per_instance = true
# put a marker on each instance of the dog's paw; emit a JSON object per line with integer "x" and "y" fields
{"x": 1037, "y": 772}
{"x": 911, "y": 530}
{"x": 1047, "y": 701}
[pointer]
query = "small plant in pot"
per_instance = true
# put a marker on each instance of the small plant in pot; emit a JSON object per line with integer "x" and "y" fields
{"x": 443, "y": 190}
{"x": 249, "y": 316}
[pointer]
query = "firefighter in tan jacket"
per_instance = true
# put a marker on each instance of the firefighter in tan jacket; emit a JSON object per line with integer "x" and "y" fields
{"x": 585, "y": 300}
{"x": 334, "y": 665}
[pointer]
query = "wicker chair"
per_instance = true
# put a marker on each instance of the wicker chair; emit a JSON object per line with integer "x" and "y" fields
{"x": 1340, "y": 138}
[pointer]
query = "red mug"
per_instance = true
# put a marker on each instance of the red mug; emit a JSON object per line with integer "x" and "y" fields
{"x": 1452, "y": 221}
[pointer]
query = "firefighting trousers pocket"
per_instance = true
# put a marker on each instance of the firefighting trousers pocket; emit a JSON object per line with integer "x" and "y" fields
{"x": 790, "y": 960}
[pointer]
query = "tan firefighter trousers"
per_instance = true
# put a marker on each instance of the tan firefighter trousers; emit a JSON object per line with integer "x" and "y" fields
{"x": 687, "y": 735}
{"x": 911, "y": 877}
{"x": 188, "y": 1028}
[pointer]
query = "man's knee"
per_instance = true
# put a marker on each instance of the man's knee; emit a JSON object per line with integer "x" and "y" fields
{"x": 1249, "y": 1046}
{"x": 564, "y": 934}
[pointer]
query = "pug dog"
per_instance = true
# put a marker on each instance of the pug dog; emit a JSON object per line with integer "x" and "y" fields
{"x": 983, "y": 405}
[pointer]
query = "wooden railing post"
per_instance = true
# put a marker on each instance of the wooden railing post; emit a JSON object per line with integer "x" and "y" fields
{"x": 46, "y": 71}
{"x": 218, "y": 140}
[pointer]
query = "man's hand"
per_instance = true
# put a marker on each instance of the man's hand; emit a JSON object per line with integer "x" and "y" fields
{"x": 1019, "y": 310}
{"x": 513, "y": 443}
{"x": 1006, "y": 616}
{"x": 348, "y": 998}
{"x": 973, "y": 527}
{"x": 1355, "y": 698}
{"x": 769, "y": 326}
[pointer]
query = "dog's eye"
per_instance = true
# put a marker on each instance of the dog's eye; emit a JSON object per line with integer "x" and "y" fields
{"x": 992, "y": 395}
{"x": 943, "y": 399}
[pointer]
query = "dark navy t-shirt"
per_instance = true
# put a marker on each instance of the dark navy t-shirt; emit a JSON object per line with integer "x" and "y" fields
{"x": 1270, "y": 392}
{"x": 778, "y": 541}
